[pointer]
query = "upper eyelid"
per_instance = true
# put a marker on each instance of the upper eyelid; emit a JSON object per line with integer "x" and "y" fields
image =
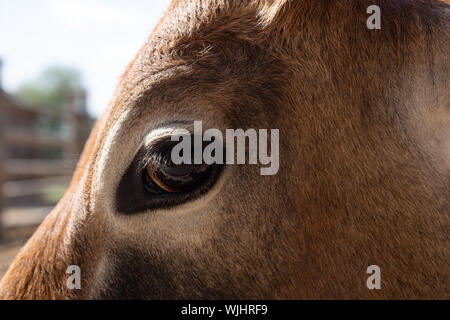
{"x": 164, "y": 133}
{"x": 165, "y": 129}
{"x": 154, "y": 150}
{"x": 160, "y": 136}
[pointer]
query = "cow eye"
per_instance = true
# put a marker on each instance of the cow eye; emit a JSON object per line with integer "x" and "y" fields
{"x": 154, "y": 181}
{"x": 163, "y": 176}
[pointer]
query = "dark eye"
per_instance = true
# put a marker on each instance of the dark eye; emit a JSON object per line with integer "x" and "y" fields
{"x": 154, "y": 181}
{"x": 163, "y": 176}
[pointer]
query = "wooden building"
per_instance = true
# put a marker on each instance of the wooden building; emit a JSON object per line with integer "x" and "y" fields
{"x": 28, "y": 152}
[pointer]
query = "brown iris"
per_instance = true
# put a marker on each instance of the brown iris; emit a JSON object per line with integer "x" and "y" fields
{"x": 173, "y": 178}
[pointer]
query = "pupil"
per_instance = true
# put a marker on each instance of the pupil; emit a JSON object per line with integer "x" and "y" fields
{"x": 183, "y": 176}
{"x": 178, "y": 170}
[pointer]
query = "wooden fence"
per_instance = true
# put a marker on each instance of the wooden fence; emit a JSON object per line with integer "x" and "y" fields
{"x": 18, "y": 132}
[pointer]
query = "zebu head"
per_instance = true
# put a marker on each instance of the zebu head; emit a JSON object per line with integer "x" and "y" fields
{"x": 363, "y": 178}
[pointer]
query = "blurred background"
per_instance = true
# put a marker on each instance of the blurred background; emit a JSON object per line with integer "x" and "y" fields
{"x": 60, "y": 61}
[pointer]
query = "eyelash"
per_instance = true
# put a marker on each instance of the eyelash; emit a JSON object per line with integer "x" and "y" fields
{"x": 137, "y": 193}
{"x": 160, "y": 153}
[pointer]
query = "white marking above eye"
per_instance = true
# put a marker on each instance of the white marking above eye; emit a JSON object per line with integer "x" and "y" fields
{"x": 159, "y": 133}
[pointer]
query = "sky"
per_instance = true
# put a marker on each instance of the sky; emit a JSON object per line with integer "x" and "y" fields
{"x": 97, "y": 37}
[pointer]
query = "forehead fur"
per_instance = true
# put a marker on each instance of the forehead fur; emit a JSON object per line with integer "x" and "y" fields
{"x": 194, "y": 29}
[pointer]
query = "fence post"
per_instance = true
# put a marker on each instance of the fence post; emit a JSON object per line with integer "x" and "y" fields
{"x": 2, "y": 179}
{"x": 76, "y": 118}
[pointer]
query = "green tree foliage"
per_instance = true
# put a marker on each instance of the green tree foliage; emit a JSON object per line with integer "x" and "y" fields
{"x": 49, "y": 89}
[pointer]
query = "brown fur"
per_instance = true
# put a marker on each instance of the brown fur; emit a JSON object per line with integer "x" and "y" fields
{"x": 364, "y": 174}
